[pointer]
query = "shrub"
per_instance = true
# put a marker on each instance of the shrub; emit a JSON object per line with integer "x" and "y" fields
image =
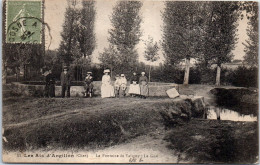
{"x": 244, "y": 77}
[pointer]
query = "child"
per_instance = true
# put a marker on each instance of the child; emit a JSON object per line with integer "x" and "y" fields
{"x": 123, "y": 83}
{"x": 117, "y": 85}
{"x": 89, "y": 85}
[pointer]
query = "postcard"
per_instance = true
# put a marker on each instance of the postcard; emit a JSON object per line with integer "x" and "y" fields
{"x": 111, "y": 81}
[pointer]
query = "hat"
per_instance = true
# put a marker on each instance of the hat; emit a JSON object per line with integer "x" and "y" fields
{"x": 65, "y": 67}
{"x": 89, "y": 72}
{"x": 142, "y": 72}
{"x": 106, "y": 71}
{"x": 122, "y": 75}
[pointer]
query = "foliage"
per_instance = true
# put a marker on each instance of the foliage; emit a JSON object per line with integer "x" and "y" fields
{"x": 86, "y": 35}
{"x": 25, "y": 57}
{"x": 69, "y": 46}
{"x": 125, "y": 33}
{"x": 78, "y": 38}
{"x": 181, "y": 30}
{"x": 151, "y": 52}
{"x": 243, "y": 76}
{"x": 51, "y": 56}
{"x": 80, "y": 67}
{"x": 52, "y": 61}
{"x": 109, "y": 58}
{"x": 220, "y": 33}
{"x": 251, "y": 45}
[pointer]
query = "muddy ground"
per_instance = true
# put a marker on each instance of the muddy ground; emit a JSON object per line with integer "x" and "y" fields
{"x": 124, "y": 124}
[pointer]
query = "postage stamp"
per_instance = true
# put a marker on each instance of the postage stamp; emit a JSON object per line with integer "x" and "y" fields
{"x": 24, "y": 21}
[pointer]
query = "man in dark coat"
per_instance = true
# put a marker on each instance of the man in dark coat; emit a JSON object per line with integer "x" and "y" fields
{"x": 50, "y": 85}
{"x": 65, "y": 80}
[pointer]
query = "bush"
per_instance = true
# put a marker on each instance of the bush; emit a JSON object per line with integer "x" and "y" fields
{"x": 243, "y": 77}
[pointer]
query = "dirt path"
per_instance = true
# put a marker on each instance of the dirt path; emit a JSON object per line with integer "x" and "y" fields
{"x": 147, "y": 148}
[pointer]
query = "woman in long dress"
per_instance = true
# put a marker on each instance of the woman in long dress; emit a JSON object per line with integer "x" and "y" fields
{"x": 107, "y": 90}
{"x": 143, "y": 82}
{"x": 134, "y": 88}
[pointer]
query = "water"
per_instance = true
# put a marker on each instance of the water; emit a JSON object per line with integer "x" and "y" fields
{"x": 227, "y": 114}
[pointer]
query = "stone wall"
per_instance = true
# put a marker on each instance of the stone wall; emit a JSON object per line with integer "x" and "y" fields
{"x": 155, "y": 89}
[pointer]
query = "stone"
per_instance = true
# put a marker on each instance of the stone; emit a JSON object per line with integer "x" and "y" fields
{"x": 182, "y": 110}
{"x": 172, "y": 93}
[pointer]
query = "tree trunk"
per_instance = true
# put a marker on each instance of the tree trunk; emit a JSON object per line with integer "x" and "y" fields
{"x": 218, "y": 75}
{"x": 150, "y": 73}
{"x": 187, "y": 72}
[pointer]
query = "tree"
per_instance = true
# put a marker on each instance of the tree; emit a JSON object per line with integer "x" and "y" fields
{"x": 86, "y": 35}
{"x": 125, "y": 32}
{"x": 181, "y": 33}
{"x": 69, "y": 47}
{"x": 251, "y": 45}
{"x": 151, "y": 53}
{"x": 220, "y": 34}
{"x": 109, "y": 58}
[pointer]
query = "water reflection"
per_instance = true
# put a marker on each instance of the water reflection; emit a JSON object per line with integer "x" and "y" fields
{"x": 226, "y": 114}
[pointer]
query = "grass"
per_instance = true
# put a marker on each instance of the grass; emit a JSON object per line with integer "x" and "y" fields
{"x": 77, "y": 122}
{"x": 56, "y": 123}
{"x": 212, "y": 141}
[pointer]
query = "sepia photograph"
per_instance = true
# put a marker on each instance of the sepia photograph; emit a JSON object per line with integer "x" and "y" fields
{"x": 130, "y": 81}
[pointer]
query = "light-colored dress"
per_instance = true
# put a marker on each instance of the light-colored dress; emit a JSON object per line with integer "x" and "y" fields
{"x": 107, "y": 90}
{"x": 143, "y": 82}
{"x": 134, "y": 88}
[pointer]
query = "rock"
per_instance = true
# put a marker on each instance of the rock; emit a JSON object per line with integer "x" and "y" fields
{"x": 181, "y": 110}
{"x": 172, "y": 93}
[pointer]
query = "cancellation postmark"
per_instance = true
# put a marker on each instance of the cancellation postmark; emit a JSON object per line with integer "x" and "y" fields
{"x": 24, "y": 21}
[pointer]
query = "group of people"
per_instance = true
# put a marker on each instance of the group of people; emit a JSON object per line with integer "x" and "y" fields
{"x": 138, "y": 85}
{"x": 50, "y": 81}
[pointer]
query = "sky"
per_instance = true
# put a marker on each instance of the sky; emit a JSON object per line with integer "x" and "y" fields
{"x": 151, "y": 26}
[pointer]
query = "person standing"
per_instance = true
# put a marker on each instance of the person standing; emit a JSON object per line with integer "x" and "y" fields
{"x": 50, "y": 81}
{"x": 107, "y": 90}
{"x": 134, "y": 88}
{"x": 49, "y": 84}
{"x": 143, "y": 82}
{"x": 65, "y": 81}
{"x": 89, "y": 84}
